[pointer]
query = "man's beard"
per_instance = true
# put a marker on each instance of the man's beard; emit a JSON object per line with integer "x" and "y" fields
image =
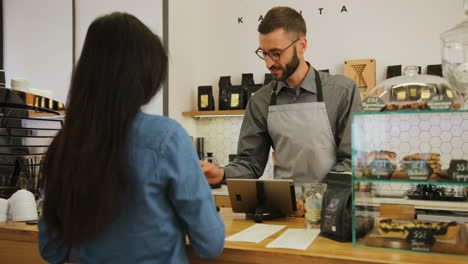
{"x": 291, "y": 67}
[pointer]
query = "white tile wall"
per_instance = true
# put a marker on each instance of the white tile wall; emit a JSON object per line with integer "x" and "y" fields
{"x": 221, "y": 136}
{"x": 445, "y": 133}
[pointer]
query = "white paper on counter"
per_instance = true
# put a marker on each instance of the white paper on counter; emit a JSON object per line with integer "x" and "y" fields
{"x": 255, "y": 233}
{"x": 295, "y": 238}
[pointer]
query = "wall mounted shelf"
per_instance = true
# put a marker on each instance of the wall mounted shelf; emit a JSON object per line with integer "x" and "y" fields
{"x": 216, "y": 113}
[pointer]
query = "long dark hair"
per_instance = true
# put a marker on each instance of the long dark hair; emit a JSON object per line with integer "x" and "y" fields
{"x": 121, "y": 68}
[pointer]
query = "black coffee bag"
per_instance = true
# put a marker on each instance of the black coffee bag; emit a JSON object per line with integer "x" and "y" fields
{"x": 247, "y": 79}
{"x": 435, "y": 69}
{"x": 224, "y": 86}
{"x": 205, "y": 98}
{"x": 236, "y": 98}
{"x": 393, "y": 71}
{"x": 247, "y": 84}
{"x": 336, "y": 222}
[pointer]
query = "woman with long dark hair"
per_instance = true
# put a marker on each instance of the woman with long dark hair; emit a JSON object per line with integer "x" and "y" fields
{"x": 122, "y": 186}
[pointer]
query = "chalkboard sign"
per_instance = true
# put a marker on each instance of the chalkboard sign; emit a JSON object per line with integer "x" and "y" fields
{"x": 417, "y": 170}
{"x": 381, "y": 168}
{"x": 439, "y": 102}
{"x": 458, "y": 170}
{"x": 372, "y": 104}
{"x": 420, "y": 239}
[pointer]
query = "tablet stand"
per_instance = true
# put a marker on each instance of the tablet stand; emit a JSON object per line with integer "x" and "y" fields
{"x": 259, "y": 216}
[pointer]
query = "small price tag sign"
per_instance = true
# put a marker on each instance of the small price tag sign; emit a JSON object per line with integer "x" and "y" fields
{"x": 381, "y": 168}
{"x": 372, "y": 104}
{"x": 458, "y": 170}
{"x": 439, "y": 102}
{"x": 417, "y": 170}
{"x": 420, "y": 239}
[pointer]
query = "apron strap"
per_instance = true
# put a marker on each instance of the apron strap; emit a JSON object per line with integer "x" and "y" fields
{"x": 318, "y": 84}
{"x": 273, "y": 94}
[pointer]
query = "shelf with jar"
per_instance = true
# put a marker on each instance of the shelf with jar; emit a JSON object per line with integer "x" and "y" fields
{"x": 214, "y": 113}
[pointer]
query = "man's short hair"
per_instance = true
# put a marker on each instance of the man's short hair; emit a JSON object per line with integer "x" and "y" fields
{"x": 283, "y": 17}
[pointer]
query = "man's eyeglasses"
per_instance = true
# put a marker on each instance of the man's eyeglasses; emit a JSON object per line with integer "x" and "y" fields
{"x": 274, "y": 55}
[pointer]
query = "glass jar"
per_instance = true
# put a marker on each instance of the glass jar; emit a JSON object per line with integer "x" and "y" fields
{"x": 414, "y": 91}
{"x": 455, "y": 55}
{"x": 211, "y": 158}
{"x": 312, "y": 194}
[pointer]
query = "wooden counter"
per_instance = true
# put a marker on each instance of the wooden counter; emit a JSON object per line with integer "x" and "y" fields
{"x": 322, "y": 250}
{"x": 18, "y": 244}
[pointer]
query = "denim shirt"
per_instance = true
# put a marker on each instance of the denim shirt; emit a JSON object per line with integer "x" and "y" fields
{"x": 171, "y": 199}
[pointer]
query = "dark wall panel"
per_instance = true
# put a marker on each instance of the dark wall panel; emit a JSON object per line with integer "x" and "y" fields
{"x": 1, "y": 34}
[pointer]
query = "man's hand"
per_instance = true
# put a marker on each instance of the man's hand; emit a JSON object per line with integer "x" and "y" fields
{"x": 300, "y": 209}
{"x": 212, "y": 173}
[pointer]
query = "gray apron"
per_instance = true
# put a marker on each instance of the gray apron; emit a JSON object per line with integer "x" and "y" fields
{"x": 305, "y": 149}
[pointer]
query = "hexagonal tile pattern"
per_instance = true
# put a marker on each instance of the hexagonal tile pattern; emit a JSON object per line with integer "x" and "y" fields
{"x": 414, "y": 131}
{"x": 405, "y": 147}
{"x": 221, "y": 136}
{"x": 435, "y": 149}
{"x": 435, "y": 141}
{"x": 457, "y": 153}
{"x": 414, "y": 122}
{"x": 457, "y": 142}
{"x": 464, "y": 125}
{"x": 425, "y": 125}
{"x": 465, "y": 136}
{"x": 425, "y": 147}
{"x": 395, "y": 142}
{"x": 435, "y": 120}
{"x": 445, "y": 125}
{"x": 446, "y": 136}
{"x": 395, "y": 131}
{"x": 446, "y": 148}
{"x": 404, "y": 125}
{"x": 404, "y": 136}
{"x": 414, "y": 142}
{"x": 456, "y": 119}
{"x": 435, "y": 131}
{"x": 425, "y": 136}
{"x": 386, "y": 125}
{"x": 456, "y": 131}
{"x": 465, "y": 148}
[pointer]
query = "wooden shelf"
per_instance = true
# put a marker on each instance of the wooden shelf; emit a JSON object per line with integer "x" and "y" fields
{"x": 420, "y": 204}
{"x": 216, "y": 113}
{"x": 33, "y": 113}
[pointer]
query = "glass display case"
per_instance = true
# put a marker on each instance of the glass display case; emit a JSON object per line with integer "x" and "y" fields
{"x": 410, "y": 178}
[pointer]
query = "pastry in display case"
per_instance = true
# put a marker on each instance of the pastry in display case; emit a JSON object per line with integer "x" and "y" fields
{"x": 402, "y": 228}
{"x": 412, "y": 91}
{"x": 437, "y": 192}
{"x": 416, "y": 163}
{"x": 380, "y": 164}
{"x": 421, "y": 166}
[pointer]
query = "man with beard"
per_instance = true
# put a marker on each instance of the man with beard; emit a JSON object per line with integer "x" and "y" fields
{"x": 303, "y": 114}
